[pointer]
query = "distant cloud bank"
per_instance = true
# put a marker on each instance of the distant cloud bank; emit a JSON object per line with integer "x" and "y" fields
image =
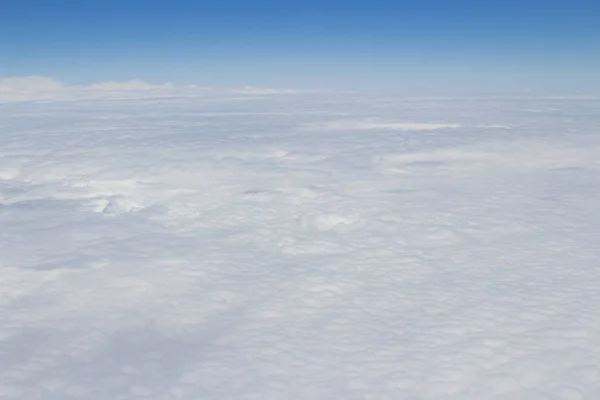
{"x": 31, "y": 88}
{"x": 346, "y": 125}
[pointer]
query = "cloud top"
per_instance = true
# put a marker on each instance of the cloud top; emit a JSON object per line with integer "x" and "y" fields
{"x": 31, "y": 88}
{"x": 30, "y": 84}
{"x": 126, "y": 86}
{"x": 359, "y": 125}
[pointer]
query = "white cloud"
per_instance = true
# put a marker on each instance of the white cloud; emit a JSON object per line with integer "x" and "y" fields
{"x": 446, "y": 264}
{"x": 358, "y": 125}
{"x": 127, "y": 86}
{"x": 28, "y": 88}
{"x": 31, "y": 83}
{"x": 255, "y": 90}
{"x": 25, "y": 88}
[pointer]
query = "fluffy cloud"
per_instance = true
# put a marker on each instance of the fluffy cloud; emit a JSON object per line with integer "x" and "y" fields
{"x": 129, "y": 85}
{"x": 30, "y": 83}
{"x": 358, "y": 125}
{"x": 28, "y": 88}
{"x": 45, "y": 88}
{"x": 254, "y": 90}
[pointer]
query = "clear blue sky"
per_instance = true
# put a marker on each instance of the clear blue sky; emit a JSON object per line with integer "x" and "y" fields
{"x": 415, "y": 46}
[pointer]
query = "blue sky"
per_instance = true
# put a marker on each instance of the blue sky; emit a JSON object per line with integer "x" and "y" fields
{"x": 425, "y": 46}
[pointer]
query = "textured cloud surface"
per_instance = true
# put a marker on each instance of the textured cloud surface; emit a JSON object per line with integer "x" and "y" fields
{"x": 222, "y": 246}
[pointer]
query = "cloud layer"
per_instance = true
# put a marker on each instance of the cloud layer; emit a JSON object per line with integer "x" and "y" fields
{"x": 209, "y": 248}
{"x": 29, "y": 88}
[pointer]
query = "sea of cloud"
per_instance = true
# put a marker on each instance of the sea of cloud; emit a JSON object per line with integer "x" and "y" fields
{"x": 189, "y": 243}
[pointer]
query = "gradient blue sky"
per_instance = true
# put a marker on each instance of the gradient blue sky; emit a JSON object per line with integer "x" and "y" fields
{"x": 424, "y": 46}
